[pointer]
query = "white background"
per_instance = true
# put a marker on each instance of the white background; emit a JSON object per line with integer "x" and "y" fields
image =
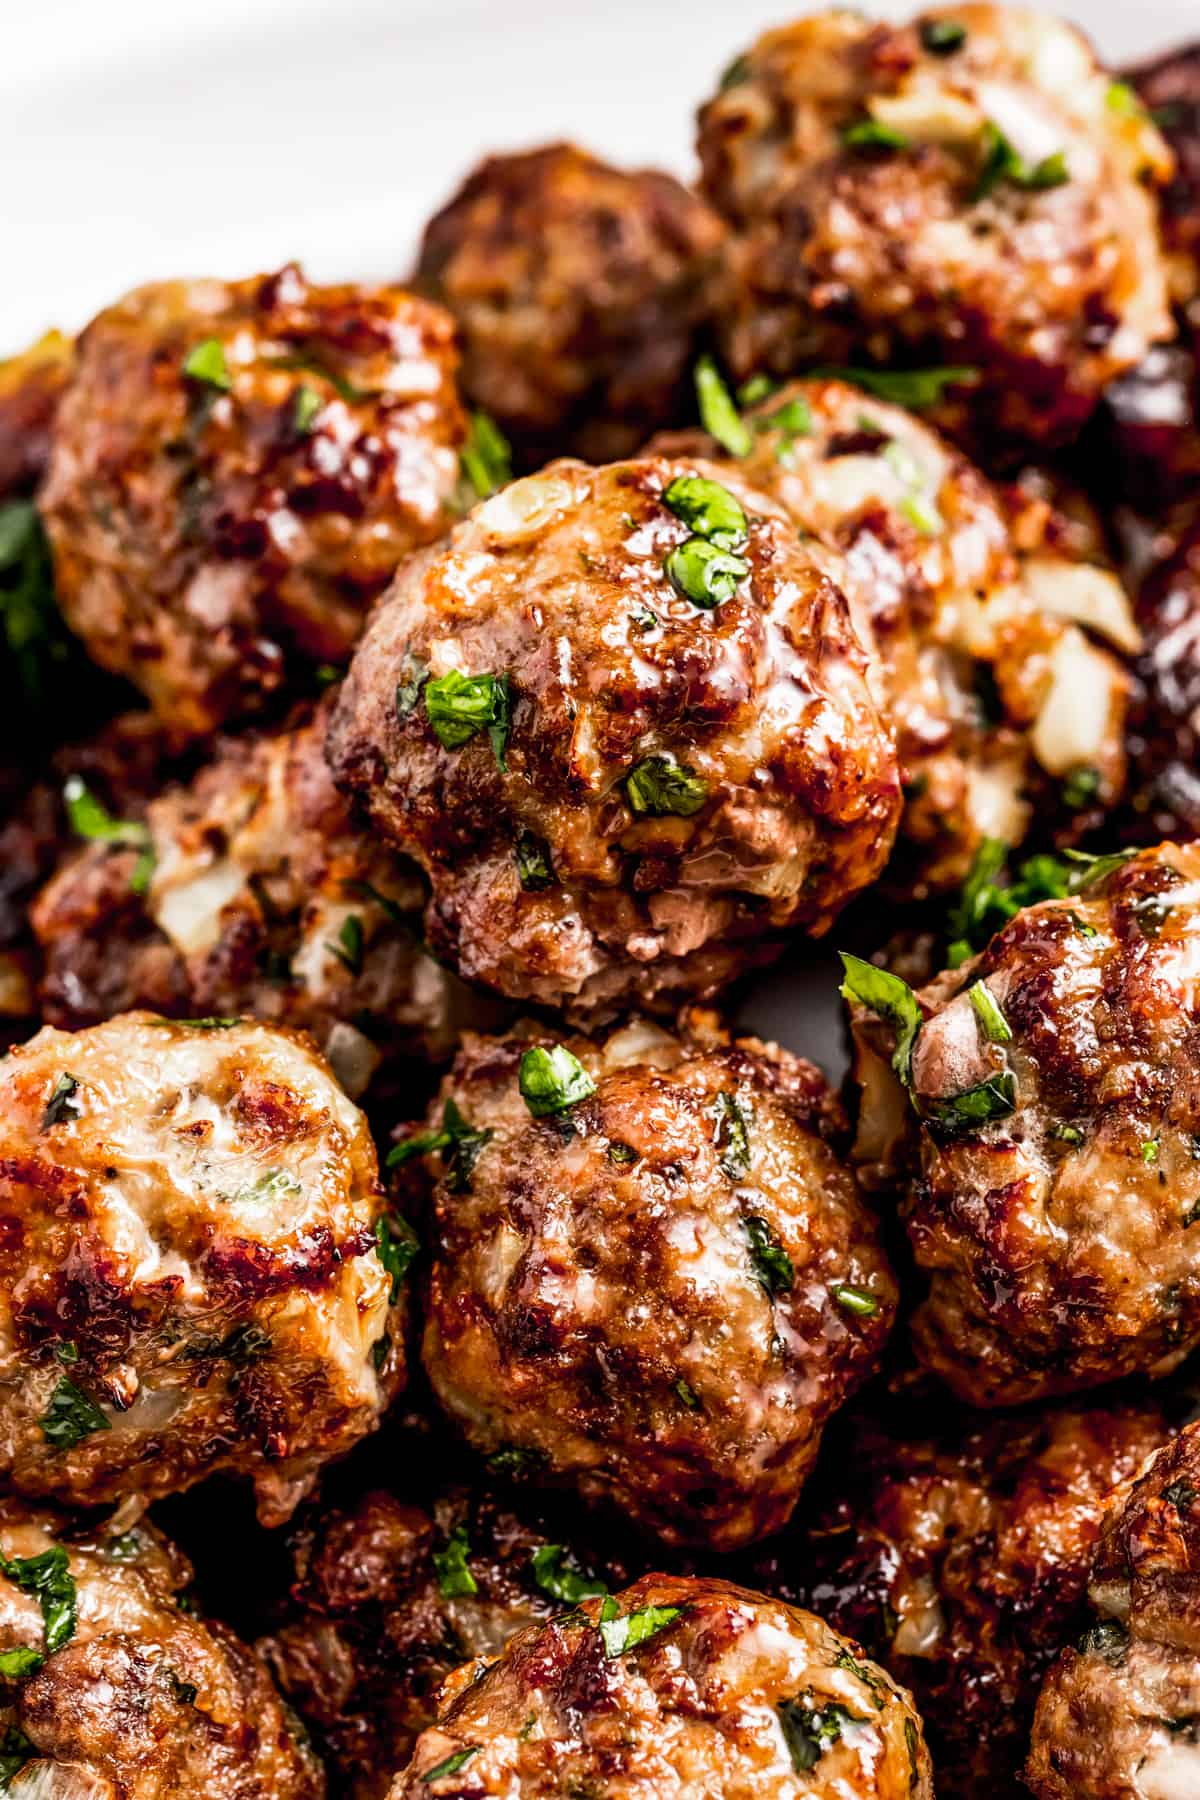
{"x": 145, "y": 138}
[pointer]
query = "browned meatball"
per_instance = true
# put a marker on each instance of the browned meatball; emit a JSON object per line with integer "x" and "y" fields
{"x": 237, "y": 468}
{"x": 1164, "y": 737}
{"x": 652, "y": 1275}
{"x": 250, "y": 891}
{"x": 197, "y": 1270}
{"x": 961, "y": 1561}
{"x": 1048, "y": 1140}
{"x": 622, "y": 720}
{"x": 1117, "y": 1717}
{"x": 31, "y": 386}
{"x": 116, "y": 1689}
{"x": 961, "y": 191}
{"x": 983, "y": 613}
{"x": 677, "y": 1687}
{"x": 579, "y": 290}
{"x": 390, "y": 1598}
{"x": 1169, "y": 86}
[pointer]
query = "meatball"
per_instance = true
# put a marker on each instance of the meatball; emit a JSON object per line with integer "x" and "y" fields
{"x": 1117, "y": 1716}
{"x": 653, "y": 1278}
{"x": 250, "y": 891}
{"x": 197, "y": 1271}
{"x": 1164, "y": 737}
{"x": 1169, "y": 86}
{"x": 116, "y": 1689}
{"x": 622, "y": 721}
{"x": 236, "y": 470}
{"x": 579, "y": 291}
{"x": 31, "y": 386}
{"x": 675, "y": 1687}
{"x": 960, "y": 190}
{"x": 970, "y": 602}
{"x": 390, "y": 1598}
{"x": 1048, "y": 1146}
{"x": 961, "y": 1562}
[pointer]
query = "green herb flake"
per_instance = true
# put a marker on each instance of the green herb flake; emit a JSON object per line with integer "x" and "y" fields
{"x": 211, "y": 1023}
{"x": 458, "y": 1141}
{"x": 514, "y": 1462}
{"x": 621, "y": 1154}
{"x": 460, "y": 706}
{"x": 1179, "y": 1494}
{"x": 703, "y": 574}
{"x": 1066, "y": 1134}
{"x": 995, "y": 1027}
{"x": 626, "y": 1632}
{"x": 708, "y": 509}
{"x": 718, "y": 413}
{"x": 89, "y": 819}
{"x": 1150, "y": 1150}
{"x": 890, "y": 999}
{"x": 272, "y": 1184}
{"x": 873, "y": 134}
{"x": 688, "y": 1397}
{"x": 922, "y": 514}
{"x": 306, "y": 404}
{"x": 532, "y": 857}
{"x": 206, "y": 363}
{"x": 125, "y": 1548}
{"x": 454, "y": 1577}
{"x": 809, "y": 1731}
{"x": 558, "y": 1576}
{"x": 452, "y": 1764}
{"x": 734, "y": 73}
{"x": 349, "y": 945}
{"x": 1080, "y": 788}
{"x": 865, "y": 1673}
{"x": 1122, "y": 100}
{"x": 552, "y": 1080}
{"x": 70, "y": 1417}
{"x": 486, "y": 457}
{"x": 773, "y": 1267}
{"x": 1000, "y": 162}
{"x": 20, "y": 1661}
{"x": 62, "y": 1104}
{"x": 37, "y": 641}
{"x": 642, "y": 619}
{"x": 757, "y": 388}
{"x": 396, "y": 1244}
{"x": 660, "y": 786}
{"x": 1107, "y": 1639}
{"x": 732, "y": 1134}
{"x": 914, "y": 389}
{"x": 942, "y": 37}
{"x": 959, "y": 1114}
{"x": 182, "y": 1691}
{"x": 413, "y": 675}
{"x": 15, "y": 1750}
{"x": 859, "y": 1301}
{"x": 47, "y": 1577}
{"x": 910, "y": 1744}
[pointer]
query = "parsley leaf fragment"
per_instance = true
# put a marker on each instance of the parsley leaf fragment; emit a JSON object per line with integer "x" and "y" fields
{"x": 460, "y": 706}
{"x": 557, "y": 1576}
{"x": 89, "y": 819}
{"x": 622, "y": 1632}
{"x": 660, "y": 785}
{"x": 773, "y": 1267}
{"x": 718, "y": 413}
{"x": 458, "y": 1141}
{"x": 551, "y": 1080}
{"x": 454, "y": 1577}
{"x": 70, "y": 1417}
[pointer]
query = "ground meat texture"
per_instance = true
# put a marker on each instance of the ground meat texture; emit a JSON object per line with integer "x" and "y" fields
{"x": 675, "y": 1687}
{"x": 137, "y": 1696}
{"x": 672, "y": 784}
{"x": 262, "y": 898}
{"x": 389, "y": 1600}
{"x": 31, "y": 386}
{"x": 237, "y": 468}
{"x": 1048, "y": 1154}
{"x": 961, "y": 1562}
{"x": 1163, "y": 738}
{"x": 579, "y": 290}
{"x": 660, "y": 1294}
{"x": 1117, "y": 1716}
{"x": 959, "y": 191}
{"x": 192, "y": 1263}
{"x": 984, "y": 613}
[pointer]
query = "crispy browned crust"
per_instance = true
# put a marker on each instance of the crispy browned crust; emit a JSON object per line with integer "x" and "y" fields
{"x": 204, "y": 539}
{"x": 579, "y": 291}
{"x": 690, "y": 1712}
{"x": 843, "y": 253}
{"x": 558, "y": 583}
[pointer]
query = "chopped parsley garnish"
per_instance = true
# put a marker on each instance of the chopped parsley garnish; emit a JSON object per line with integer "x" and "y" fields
{"x": 70, "y": 1417}
{"x": 890, "y": 999}
{"x": 1107, "y": 1639}
{"x": 61, "y": 1104}
{"x": 15, "y": 1749}
{"x": 458, "y": 1141}
{"x": 1000, "y": 162}
{"x": 794, "y": 419}
{"x": 20, "y": 1661}
{"x": 306, "y": 404}
{"x": 486, "y": 456}
{"x": 809, "y": 1731}
{"x": 47, "y": 1577}
{"x": 30, "y": 621}
{"x": 1122, "y": 100}
{"x": 873, "y": 134}
{"x": 708, "y": 509}
{"x": 89, "y": 819}
{"x": 515, "y": 1463}
{"x": 758, "y": 387}
{"x": 206, "y": 363}
{"x": 773, "y": 1267}
{"x": 396, "y": 1244}
{"x": 452, "y": 1764}
{"x": 272, "y": 1184}
{"x": 914, "y": 389}
{"x": 986, "y": 903}
{"x": 534, "y": 870}
{"x": 211, "y": 1023}
{"x": 660, "y": 785}
{"x": 349, "y": 945}
{"x": 1150, "y": 1150}
{"x": 1179, "y": 1494}
{"x": 454, "y": 1577}
{"x": 978, "y": 1105}
{"x": 859, "y": 1301}
{"x": 1066, "y": 1134}
{"x": 718, "y": 414}
{"x": 688, "y": 1396}
{"x": 865, "y": 1673}
{"x": 1080, "y": 788}
{"x": 735, "y": 73}
{"x": 413, "y": 675}
{"x": 732, "y": 1136}
{"x": 996, "y": 1028}
{"x": 703, "y": 574}
{"x": 557, "y": 1576}
{"x": 460, "y": 706}
{"x": 942, "y": 37}
{"x": 551, "y": 1080}
{"x": 918, "y": 505}
{"x": 622, "y": 1632}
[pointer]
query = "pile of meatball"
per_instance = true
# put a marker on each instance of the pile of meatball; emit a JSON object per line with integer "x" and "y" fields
{"x": 444, "y": 1353}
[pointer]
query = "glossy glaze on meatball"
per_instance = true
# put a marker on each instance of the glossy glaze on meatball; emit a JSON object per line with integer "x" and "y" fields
{"x": 1047, "y": 1145}
{"x": 622, "y": 720}
{"x": 960, "y": 1561}
{"x": 1164, "y": 737}
{"x": 117, "y": 1689}
{"x": 1119, "y": 1713}
{"x": 1169, "y": 87}
{"x": 237, "y": 468}
{"x": 675, "y": 1687}
{"x": 390, "y": 1598}
{"x": 960, "y": 191}
{"x": 579, "y": 291}
{"x": 251, "y": 892}
{"x": 652, "y": 1274}
{"x": 984, "y": 614}
{"x": 197, "y": 1271}
{"x": 31, "y": 386}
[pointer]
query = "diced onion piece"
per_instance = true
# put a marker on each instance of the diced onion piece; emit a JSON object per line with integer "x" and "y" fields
{"x": 928, "y": 112}
{"x": 190, "y": 914}
{"x": 994, "y": 802}
{"x": 352, "y": 1057}
{"x": 525, "y": 507}
{"x": 1073, "y": 726}
{"x": 1092, "y": 597}
{"x": 43, "y": 1780}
